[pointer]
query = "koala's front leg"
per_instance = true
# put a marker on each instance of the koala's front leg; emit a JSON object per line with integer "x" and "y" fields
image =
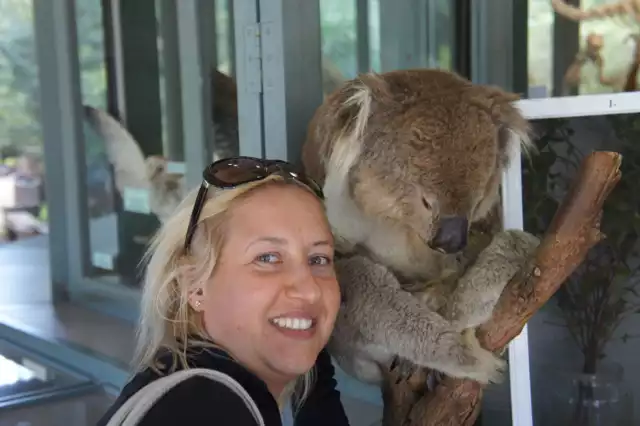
{"x": 391, "y": 322}
{"x": 479, "y": 289}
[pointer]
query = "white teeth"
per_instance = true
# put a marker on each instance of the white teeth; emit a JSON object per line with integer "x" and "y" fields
{"x": 293, "y": 323}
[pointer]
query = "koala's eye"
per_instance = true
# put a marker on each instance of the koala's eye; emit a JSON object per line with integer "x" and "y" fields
{"x": 426, "y": 203}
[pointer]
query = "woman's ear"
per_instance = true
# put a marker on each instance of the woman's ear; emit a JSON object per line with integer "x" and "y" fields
{"x": 185, "y": 275}
{"x": 196, "y": 299}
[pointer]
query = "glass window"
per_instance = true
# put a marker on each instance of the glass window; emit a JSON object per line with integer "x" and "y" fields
{"x": 585, "y": 336}
{"x": 23, "y": 206}
{"x": 383, "y": 35}
{"x": 134, "y": 133}
{"x": 379, "y": 35}
{"x": 584, "y": 47}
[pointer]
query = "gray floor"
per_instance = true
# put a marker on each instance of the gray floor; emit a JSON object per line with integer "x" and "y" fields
{"x": 73, "y": 325}
{"x": 24, "y": 271}
{"x": 35, "y": 392}
{"x": 78, "y": 411}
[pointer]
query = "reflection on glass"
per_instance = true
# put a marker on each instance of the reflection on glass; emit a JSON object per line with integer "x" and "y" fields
{"x": 135, "y": 168}
{"x": 35, "y": 394}
{"x": 12, "y": 373}
{"x": 21, "y": 376}
{"x": 585, "y": 49}
{"x": 585, "y": 337}
{"x": 23, "y": 208}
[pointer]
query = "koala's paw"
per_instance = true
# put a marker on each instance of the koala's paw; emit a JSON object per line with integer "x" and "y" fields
{"x": 516, "y": 242}
{"x": 480, "y": 364}
{"x": 433, "y": 296}
{"x": 437, "y": 292}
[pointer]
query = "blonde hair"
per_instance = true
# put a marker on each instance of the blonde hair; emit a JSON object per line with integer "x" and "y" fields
{"x": 166, "y": 320}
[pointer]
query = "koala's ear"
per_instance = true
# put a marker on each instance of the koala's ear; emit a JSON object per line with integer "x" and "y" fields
{"x": 341, "y": 120}
{"x": 122, "y": 149}
{"x": 499, "y": 104}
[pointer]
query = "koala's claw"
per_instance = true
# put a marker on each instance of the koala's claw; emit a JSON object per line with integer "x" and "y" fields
{"x": 433, "y": 379}
{"x": 403, "y": 369}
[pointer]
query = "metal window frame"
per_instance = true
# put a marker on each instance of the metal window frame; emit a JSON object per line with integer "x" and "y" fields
{"x": 363, "y": 53}
{"x": 61, "y": 109}
{"x": 248, "y": 75}
{"x": 519, "y": 377}
{"x": 462, "y": 17}
{"x": 173, "y": 145}
{"x": 493, "y": 62}
{"x": 197, "y": 52}
{"x": 290, "y": 38}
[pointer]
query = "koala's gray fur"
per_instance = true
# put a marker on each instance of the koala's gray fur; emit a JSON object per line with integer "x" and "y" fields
{"x": 379, "y": 320}
{"x": 396, "y": 153}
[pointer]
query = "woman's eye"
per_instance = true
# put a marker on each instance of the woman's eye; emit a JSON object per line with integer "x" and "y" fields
{"x": 268, "y": 258}
{"x": 320, "y": 260}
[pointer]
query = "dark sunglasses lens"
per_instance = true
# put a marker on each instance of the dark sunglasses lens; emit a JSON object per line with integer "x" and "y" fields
{"x": 237, "y": 171}
{"x": 283, "y": 166}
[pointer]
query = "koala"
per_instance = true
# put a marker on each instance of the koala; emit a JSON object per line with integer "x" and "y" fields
{"x": 410, "y": 161}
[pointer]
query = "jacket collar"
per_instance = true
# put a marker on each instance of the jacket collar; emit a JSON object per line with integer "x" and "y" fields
{"x": 217, "y": 359}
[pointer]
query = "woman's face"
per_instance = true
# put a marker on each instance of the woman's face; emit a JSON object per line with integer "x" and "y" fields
{"x": 274, "y": 297}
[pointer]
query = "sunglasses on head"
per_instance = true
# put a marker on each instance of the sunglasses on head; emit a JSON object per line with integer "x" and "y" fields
{"x": 235, "y": 171}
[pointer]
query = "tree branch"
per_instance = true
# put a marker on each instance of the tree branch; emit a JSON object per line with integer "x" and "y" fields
{"x": 574, "y": 230}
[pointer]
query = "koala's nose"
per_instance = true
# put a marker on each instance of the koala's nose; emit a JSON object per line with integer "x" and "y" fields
{"x": 452, "y": 234}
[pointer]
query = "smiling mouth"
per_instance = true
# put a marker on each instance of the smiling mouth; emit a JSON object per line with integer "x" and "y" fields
{"x": 289, "y": 323}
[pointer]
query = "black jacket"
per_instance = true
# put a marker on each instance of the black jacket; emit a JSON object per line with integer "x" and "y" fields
{"x": 199, "y": 400}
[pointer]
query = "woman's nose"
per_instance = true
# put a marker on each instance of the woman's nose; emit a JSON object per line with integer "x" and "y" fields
{"x": 303, "y": 285}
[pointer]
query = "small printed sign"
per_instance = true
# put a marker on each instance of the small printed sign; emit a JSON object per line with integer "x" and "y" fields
{"x": 102, "y": 260}
{"x": 176, "y": 168}
{"x": 136, "y": 200}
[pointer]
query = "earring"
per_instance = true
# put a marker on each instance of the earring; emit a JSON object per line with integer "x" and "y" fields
{"x": 197, "y": 303}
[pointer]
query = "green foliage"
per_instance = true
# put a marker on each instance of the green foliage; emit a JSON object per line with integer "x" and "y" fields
{"x": 19, "y": 80}
{"x": 602, "y": 292}
{"x": 18, "y": 76}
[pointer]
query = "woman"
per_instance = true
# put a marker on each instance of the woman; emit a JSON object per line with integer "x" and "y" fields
{"x": 241, "y": 280}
